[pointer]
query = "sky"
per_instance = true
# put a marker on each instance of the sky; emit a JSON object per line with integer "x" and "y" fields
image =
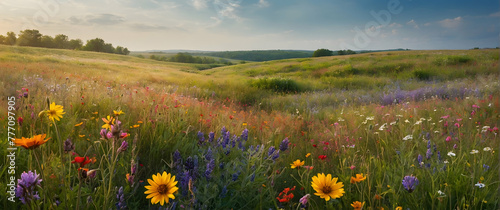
{"x": 219, "y": 25}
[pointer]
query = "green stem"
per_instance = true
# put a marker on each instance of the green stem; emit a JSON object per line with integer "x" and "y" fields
{"x": 59, "y": 141}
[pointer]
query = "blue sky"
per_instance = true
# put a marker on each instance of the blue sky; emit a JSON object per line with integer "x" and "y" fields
{"x": 263, "y": 24}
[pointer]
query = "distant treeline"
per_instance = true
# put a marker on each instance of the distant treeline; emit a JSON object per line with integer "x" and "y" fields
{"x": 188, "y": 58}
{"x": 34, "y": 38}
{"x": 260, "y": 55}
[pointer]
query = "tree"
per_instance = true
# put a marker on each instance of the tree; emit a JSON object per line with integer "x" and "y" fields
{"x": 322, "y": 52}
{"x": 61, "y": 41}
{"x": 75, "y": 44}
{"x": 47, "y": 41}
{"x": 11, "y": 38}
{"x": 346, "y": 52}
{"x": 119, "y": 50}
{"x": 2, "y": 39}
{"x": 126, "y": 51}
{"x": 96, "y": 45}
{"x": 108, "y": 48}
{"x": 31, "y": 38}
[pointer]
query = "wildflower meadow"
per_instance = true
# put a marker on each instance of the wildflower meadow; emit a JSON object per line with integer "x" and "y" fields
{"x": 95, "y": 131}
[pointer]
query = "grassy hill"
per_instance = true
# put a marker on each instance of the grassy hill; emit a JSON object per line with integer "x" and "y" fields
{"x": 369, "y": 120}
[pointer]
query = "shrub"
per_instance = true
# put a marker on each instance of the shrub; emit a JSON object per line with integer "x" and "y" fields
{"x": 283, "y": 85}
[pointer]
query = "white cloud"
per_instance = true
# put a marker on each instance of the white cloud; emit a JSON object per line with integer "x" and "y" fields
{"x": 395, "y": 25}
{"x": 394, "y": 31}
{"x": 497, "y": 14}
{"x": 451, "y": 23}
{"x": 263, "y": 3}
{"x": 199, "y": 4}
{"x": 427, "y": 24}
{"x": 412, "y": 23}
{"x": 227, "y": 9}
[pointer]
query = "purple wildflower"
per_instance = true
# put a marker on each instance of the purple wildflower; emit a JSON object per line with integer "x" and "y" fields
{"x": 123, "y": 147}
{"x": 439, "y": 156}
{"x": 284, "y": 144}
{"x": 244, "y": 135}
{"x": 208, "y": 155}
{"x": 120, "y": 196}
{"x": 201, "y": 137}
{"x": 211, "y": 136}
{"x": 429, "y": 144}
{"x": 410, "y": 182}
{"x": 271, "y": 151}
{"x": 104, "y": 133}
{"x": 428, "y": 154}
{"x": 68, "y": 145}
{"x": 420, "y": 159}
{"x": 303, "y": 201}
{"x": 486, "y": 167}
{"x": 276, "y": 155}
{"x": 26, "y": 186}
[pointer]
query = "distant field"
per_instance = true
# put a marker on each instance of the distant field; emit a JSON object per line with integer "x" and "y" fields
{"x": 370, "y": 120}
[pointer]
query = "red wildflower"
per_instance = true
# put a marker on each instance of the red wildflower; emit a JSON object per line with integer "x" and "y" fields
{"x": 322, "y": 157}
{"x": 82, "y": 160}
{"x": 284, "y": 197}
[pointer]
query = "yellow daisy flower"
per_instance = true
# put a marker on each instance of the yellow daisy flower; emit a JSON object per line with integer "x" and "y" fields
{"x": 161, "y": 188}
{"x": 55, "y": 112}
{"x": 118, "y": 113}
{"x": 297, "y": 164}
{"x": 327, "y": 187}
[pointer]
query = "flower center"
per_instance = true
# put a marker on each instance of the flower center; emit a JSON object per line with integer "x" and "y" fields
{"x": 162, "y": 189}
{"x": 52, "y": 112}
{"x": 327, "y": 189}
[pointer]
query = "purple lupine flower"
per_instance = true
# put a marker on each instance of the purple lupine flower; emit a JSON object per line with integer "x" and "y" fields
{"x": 201, "y": 137}
{"x": 235, "y": 176}
{"x": 233, "y": 141}
{"x": 428, "y": 154}
{"x": 221, "y": 165}
{"x": 210, "y": 169}
{"x": 439, "y": 156}
{"x": 189, "y": 164}
{"x": 486, "y": 167}
{"x": 120, "y": 197}
{"x": 410, "y": 182}
{"x": 223, "y": 192}
{"x": 223, "y": 130}
{"x": 434, "y": 147}
{"x": 211, "y": 136}
{"x": 184, "y": 183}
{"x": 208, "y": 155}
{"x": 240, "y": 145}
{"x": 68, "y": 146}
{"x": 429, "y": 144}
{"x": 177, "y": 158}
{"x": 284, "y": 144}
{"x": 123, "y": 147}
{"x": 428, "y": 135}
{"x": 26, "y": 187}
{"x": 276, "y": 155}
{"x": 271, "y": 151}
{"x": 244, "y": 135}
{"x": 420, "y": 159}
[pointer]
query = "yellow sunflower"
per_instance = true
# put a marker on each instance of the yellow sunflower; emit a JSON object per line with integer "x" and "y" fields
{"x": 358, "y": 178}
{"x": 297, "y": 164}
{"x": 55, "y": 111}
{"x": 327, "y": 187}
{"x": 357, "y": 205}
{"x": 31, "y": 143}
{"x": 108, "y": 122}
{"x": 161, "y": 188}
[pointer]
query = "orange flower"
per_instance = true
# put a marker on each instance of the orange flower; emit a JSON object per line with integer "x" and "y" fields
{"x": 82, "y": 160}
{"x": 31, "y": 143}
{"x": 357, "y": 205}
{"x": 79, "y": 124}
{"x": 358, "y": 178}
